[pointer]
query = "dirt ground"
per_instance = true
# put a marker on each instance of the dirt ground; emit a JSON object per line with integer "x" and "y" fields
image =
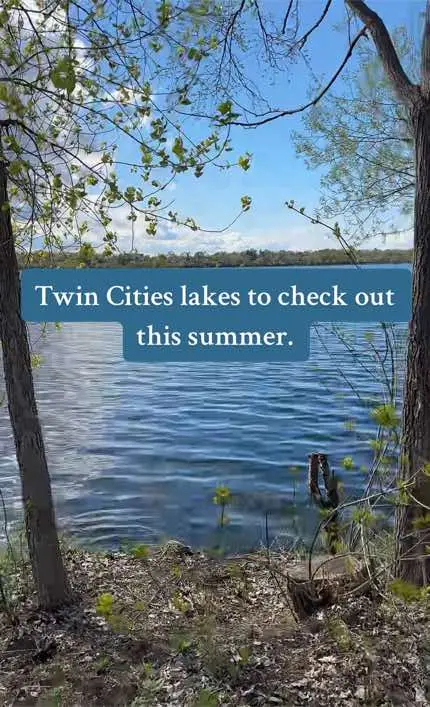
{"x": 183, "y": 629}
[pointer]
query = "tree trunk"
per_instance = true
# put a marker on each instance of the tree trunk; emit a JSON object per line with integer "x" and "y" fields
{"x": 44, "y": 550}
{"x": 413, "y": 562}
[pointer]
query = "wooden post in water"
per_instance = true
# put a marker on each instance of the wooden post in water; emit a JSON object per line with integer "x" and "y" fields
{"x": 318, "y": 462}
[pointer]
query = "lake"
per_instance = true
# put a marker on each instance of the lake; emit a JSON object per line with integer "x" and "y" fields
{"x": 136, "y": 450}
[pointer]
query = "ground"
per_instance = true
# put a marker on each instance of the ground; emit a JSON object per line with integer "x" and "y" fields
{"x": 171, "y": 627}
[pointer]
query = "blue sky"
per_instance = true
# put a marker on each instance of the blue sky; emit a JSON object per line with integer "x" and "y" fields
{"x": 276, "y": 174}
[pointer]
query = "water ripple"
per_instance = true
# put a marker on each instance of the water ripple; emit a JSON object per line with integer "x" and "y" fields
{"x": 135, "y": 451}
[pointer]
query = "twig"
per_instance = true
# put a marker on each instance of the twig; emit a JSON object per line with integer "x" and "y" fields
{"x": 284, "y": 594}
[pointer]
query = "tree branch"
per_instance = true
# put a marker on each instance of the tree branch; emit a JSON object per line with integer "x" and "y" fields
{"x": 315, "y": 100}
{"x": 287, "y": 15}
{"x": 404, "y": 88}
{"x": 302, "y": 41}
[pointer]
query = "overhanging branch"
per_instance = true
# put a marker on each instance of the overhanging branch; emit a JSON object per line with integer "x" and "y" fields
{"x": 300, "y": 109}
{"x": 404, "y": 88}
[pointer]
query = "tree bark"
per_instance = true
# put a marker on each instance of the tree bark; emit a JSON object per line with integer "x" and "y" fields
{"x": 413, "y": 562}
{"x": 412, "y": 541}
{"x": 425, "y": 54}
{"x": 385, "y": 47}
{"x": 47, "y": 565}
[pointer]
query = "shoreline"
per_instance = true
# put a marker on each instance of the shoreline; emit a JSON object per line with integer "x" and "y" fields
{"x": 222, "y": 259}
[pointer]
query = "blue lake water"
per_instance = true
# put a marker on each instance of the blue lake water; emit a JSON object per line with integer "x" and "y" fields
{"x": 136, "y": 450}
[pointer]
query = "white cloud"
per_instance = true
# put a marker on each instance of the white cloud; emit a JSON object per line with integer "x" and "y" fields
{"x": 128, "y": 96}
{"x": 178, "y": 239}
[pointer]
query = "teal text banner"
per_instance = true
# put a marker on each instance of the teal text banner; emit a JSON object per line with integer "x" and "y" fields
{"x": 217, "y": 314}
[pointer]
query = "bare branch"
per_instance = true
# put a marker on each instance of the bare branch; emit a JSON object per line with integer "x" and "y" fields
{"x": 317, "y": 98}
{"x": 302, "y": 41}
{"x": 287, "y": 15}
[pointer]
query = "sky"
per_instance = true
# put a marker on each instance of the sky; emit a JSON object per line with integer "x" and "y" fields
{"x": 276, "y": 175}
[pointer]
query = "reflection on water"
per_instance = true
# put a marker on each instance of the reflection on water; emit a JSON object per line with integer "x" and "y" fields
{"x": 136, "y": 450}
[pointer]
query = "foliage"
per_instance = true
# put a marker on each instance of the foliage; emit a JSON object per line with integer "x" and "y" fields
{"x": 250, "y": 257}
{"x": 140, "y": 551}
{"x": 181, "y": 604}
{"x": 14, "y": 566}
{"x": 104, "y": 605}
{"x": 206, "y": 698}
{"x": 422, "y": 521}
{"x": 82, "y": 92}
{"x": 183, "y": 646}
{"x": 385, "y": 415}
{"x": 223, "y": 498}
{"x": 380, "y": 354}
{"x": 121, "y": 613}
{"x": 359, "y": 135}
{"x": 363, "y": 516}
{"x": 408, "y": 592}
{"x": 36, "y": 360}
{"x": 340, "y": 633}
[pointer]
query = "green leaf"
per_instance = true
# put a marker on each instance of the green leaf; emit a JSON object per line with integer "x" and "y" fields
{"x": 421, "y": 522}
{"x": 363, "y": 516}
{"x": 178, "y": 148}
{"x": 140, "y": 552}
{"x": 57, "y": 182}
{"x": 223, "y": 496}
{"x": 104, "y": 605}
{"x": 63, "y": 75}
{"x": 206, "y": 698}
{"x": 36, "y": 360}
{"x": 244, "y": 161}
{"x": 246, "y": 202}
{"x": 406, "y": 590}
{"x": 225, "y": 107}
{"x": 385, "y": 415}
{"x": 245, "y": 654}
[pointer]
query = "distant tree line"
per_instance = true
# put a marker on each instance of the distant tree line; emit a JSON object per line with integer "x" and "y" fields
{"x": 88, "y": 257}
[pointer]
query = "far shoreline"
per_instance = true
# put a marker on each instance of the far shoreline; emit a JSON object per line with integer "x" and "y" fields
{"x": 88, "y": 257}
